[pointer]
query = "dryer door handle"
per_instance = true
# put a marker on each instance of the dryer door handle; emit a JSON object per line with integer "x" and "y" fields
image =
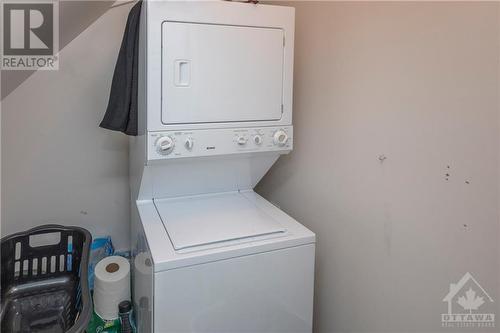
{"x": 182, "y": 70}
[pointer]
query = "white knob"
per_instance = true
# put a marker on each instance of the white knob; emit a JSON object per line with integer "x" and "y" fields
{"x": 257, "y": 139}
{"x": 189, "y": 143}
{"x": 280, "y": 138}
{"x": 241, "y": 140}
{"x": 165, "y": 145}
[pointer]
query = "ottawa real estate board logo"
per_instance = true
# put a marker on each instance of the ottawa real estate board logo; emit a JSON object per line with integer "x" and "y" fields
{"x": 30, "y": 36}
{"x": 469, "y": 305}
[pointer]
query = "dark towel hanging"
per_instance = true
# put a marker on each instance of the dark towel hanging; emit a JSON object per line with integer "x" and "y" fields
{"x": 121, "y": 113}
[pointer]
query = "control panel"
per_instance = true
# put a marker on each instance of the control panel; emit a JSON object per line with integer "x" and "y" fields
{"x": 211, "y": 142}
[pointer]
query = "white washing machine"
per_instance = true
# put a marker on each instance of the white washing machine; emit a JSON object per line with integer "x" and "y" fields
{"x": 215, "y": 95}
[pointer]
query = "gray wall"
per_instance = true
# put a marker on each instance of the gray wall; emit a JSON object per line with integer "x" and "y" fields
{"x": 57, "y": 164}
{"x": 74, "y": 17}
{"x": 418, "y": 84}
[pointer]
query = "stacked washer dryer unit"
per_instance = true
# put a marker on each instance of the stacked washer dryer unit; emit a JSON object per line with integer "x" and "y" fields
{"x": 215, "y": 94}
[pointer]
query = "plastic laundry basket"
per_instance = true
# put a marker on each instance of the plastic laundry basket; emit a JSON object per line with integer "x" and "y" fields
{"x": 44, "y": 286}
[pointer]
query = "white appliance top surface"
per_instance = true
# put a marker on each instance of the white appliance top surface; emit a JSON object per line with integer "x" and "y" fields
{"x": 211, "y": 219}
{"x": 166, "y": 257}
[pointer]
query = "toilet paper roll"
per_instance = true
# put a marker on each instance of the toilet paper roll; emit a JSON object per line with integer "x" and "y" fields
{"x": 111, "y": 286}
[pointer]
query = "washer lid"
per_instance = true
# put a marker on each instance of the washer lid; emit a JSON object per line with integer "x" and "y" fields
{"x": 211, "y": 219}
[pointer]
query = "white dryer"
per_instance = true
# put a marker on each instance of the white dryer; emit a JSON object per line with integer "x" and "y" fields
{"x": 215, "y": 95}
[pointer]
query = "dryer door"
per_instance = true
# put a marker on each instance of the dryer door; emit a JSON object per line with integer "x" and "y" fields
{"x": 213, "y": 73}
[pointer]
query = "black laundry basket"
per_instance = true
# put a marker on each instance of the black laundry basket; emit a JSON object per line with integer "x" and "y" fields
{"x": 44, "y": 285}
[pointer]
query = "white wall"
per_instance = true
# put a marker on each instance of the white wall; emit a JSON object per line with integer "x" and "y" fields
{"x": 417, "y": 83}
{"x": 58, "y": 166}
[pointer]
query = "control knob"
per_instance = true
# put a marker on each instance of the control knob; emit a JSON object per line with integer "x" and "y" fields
{"x": 241, "y": 140}
{"x": 189, "y": 143}
{"x": 257, "y": 139}
{"x": 280, "y": 138}
{"x": 165, "y": 145}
